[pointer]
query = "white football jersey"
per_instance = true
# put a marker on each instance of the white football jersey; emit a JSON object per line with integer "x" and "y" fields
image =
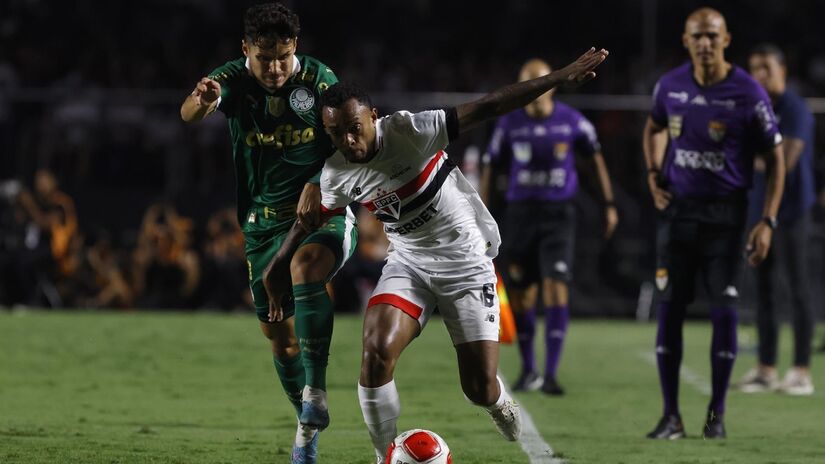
{"x": 433, "y": 217}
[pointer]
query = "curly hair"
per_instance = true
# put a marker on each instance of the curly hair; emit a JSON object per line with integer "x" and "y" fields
{"x": 267, "y": 23}
{"x": 337, "y": 94}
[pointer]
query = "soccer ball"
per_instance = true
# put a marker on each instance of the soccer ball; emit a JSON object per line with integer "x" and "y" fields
{"x": 418, "y": 446}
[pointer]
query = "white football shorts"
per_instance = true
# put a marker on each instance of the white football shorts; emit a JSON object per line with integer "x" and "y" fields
{"x": 466, "y": 298}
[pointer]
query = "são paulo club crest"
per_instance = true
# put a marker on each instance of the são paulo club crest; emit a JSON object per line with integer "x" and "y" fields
{"x": 716, "y": 130}
{"x": 388, "y": 205}
{"x": 301, "y": 100}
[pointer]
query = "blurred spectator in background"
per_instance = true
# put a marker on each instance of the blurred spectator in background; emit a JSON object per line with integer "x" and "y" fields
{"x": 55, "y": 213}
{"x": 41, "y": 240}
{"x": 166, "y": 269}
{"x": 224, "y": 281}
{"x": 789, "y": 253}
{"x": 101, "y": 280}
{"x": 25, "y": 254}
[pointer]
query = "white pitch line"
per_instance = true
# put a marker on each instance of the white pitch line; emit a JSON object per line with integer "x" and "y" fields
{"x": 690, "y": 377}
{"x": 537, "y": 450}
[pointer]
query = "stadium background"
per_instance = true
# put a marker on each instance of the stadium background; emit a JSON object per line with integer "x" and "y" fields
{"x": 90, "y": 91}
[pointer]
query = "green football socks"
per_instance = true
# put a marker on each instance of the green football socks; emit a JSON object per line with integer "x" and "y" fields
{"x": 313, "y": 325}
{"x": 291, "y": 373}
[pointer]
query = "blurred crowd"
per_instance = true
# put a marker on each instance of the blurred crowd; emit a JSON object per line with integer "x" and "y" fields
{"x": 48, "y": 260}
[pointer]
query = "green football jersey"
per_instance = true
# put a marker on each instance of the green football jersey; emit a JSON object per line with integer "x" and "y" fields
{"x": 278, "y": 139}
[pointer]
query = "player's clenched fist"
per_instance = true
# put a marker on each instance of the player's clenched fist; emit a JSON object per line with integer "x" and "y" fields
{"x": 206, "y": 91}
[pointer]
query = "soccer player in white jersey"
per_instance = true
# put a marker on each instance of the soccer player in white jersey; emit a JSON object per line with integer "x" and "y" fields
{"x": 442, "y": 239}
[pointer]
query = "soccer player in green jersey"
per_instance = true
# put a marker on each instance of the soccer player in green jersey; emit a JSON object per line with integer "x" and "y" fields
{"x": 270, "y": 99}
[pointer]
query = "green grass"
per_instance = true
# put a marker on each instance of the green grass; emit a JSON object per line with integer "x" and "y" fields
{"x": 174, "y": 388}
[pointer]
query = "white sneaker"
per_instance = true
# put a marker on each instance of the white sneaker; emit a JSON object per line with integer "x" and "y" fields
{"x": 755, "y": 381}
{"x": 508, "y": 420}
{"x": 797, "y": 382}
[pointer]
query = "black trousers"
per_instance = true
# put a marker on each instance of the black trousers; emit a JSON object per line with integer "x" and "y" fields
{"x": 788, "y": 256}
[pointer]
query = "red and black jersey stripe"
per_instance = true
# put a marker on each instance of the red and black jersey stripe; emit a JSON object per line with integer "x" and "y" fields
{"x": 415, "y": 184}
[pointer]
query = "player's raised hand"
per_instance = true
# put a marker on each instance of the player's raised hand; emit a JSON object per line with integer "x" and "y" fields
{"x": 206, "y": 92}
{"x": 759, "y": 243}
{"x": 583, "y": 69}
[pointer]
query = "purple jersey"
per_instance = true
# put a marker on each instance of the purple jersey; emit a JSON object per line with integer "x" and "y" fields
{"x": 540, "y": 152}
{"x": 714, "y": 131}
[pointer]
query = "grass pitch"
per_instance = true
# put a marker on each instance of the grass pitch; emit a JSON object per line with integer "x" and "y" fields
{"x": 200, "y": 388}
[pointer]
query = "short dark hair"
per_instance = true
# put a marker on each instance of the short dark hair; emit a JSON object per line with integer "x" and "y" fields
{"x": 339, "y": 93}
{"x": 769, "y": 49}
{"x": 265, "y": 24}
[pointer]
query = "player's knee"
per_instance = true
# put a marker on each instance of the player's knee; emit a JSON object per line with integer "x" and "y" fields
{"x": 377, "y": 361}
{"x": 309, "y": 265}
{"x": 283, "y": 350}
{"x": 554, "y": 291}
{"x": 284, "y": 343}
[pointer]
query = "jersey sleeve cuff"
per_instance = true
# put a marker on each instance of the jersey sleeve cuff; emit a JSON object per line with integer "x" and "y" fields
{"x": 452, "y": 123}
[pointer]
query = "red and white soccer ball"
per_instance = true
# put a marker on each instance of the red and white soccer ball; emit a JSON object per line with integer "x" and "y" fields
{"x": 418, "y": 446}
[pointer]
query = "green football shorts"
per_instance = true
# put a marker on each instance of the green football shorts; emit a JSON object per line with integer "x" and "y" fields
{"x": 339, "y": 234}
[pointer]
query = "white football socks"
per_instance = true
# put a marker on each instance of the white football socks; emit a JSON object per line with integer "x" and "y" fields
{"x": 381, "y": 408}
{"x": 315, "y": 396}
{"x": 502, "y": 397}
{"x": 304, "y": 435}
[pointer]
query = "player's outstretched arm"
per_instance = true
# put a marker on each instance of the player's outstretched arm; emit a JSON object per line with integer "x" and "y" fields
{"x": 513, "y": 96}
{"x": 202, "y": 101}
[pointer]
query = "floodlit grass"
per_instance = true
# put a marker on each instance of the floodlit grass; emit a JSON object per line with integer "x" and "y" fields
{"x": 200, "y": 388}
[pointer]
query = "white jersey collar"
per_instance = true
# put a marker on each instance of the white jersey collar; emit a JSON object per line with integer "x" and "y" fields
{"x": 379, "y": 137}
